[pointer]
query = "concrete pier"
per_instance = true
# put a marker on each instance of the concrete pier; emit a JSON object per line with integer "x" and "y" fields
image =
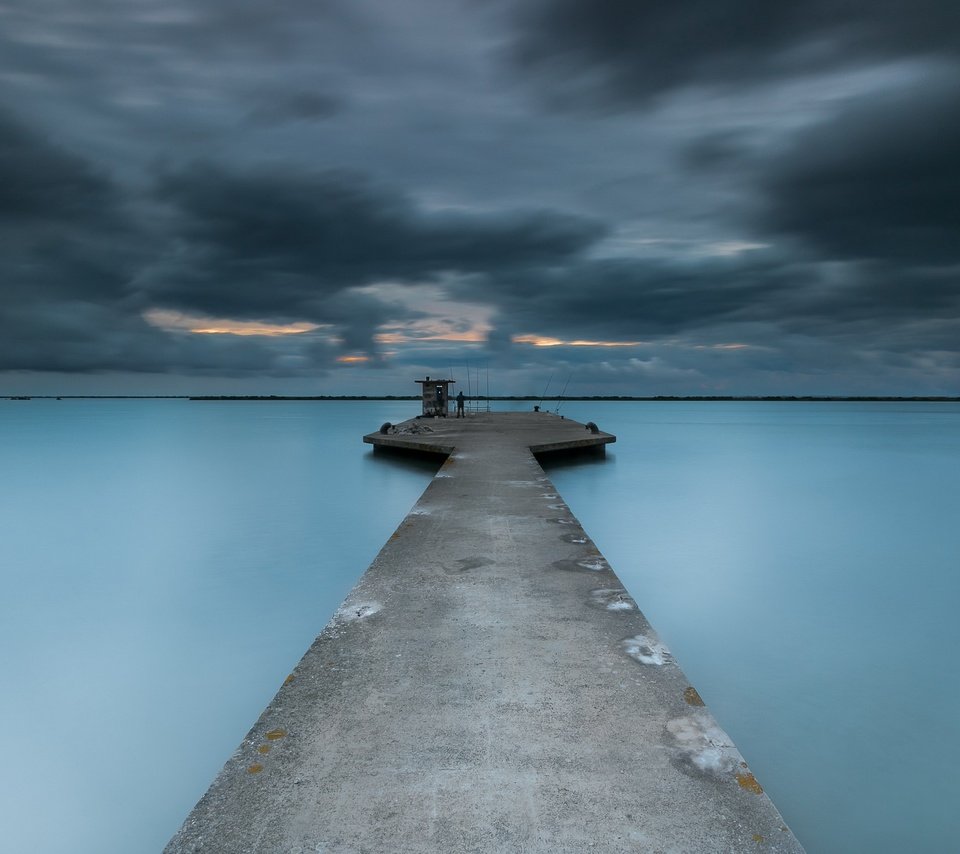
{"x": 488, "y": 685}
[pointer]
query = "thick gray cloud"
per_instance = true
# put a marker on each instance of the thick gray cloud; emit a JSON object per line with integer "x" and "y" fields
{"x": 297, "y": 106}
{"x": 275, "y": 244}
{"x": 620, "y": 299}
{"x": 73, "y": 247}
{"x": 261, "y": 245}
{"x": 755, "y": 299}
{"x": 878, "y": 181}
{"x": 619, "y": 50}
{"x": 39, "y": 181}
{"x": 66, "y": 250}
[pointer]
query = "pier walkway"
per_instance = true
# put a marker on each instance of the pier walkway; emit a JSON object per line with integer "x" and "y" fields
{"x": 487, "y": 686}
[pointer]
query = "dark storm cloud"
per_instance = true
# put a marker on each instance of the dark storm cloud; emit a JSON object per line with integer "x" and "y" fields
{"x": 723, "y": 150}
{"x": 80, "y": 338}
{"x": 40, "y": 181}
{"x": 88, "y": 257}
{"x": 622, "y": 50}
{"x": 82, "y": 331}
{"x": 270, "y": 29}
{"x": 62, "y": 231}
{"x": 274, "y": 243}
{"x": 878, "y": 181}
{"x": 629, "y": 299}
{"x": 218, "y": 27}
{"x": 156, "y": 73}
{"x": 72, "y": 250}
{"x": 760, "y": 298}
{"x": 298, "y": 106}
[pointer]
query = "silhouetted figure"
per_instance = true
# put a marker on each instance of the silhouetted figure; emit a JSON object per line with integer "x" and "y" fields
{"x": 460, "y": 406}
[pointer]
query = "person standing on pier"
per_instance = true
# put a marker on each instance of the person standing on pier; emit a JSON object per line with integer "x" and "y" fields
{"x": 460, "y": 406}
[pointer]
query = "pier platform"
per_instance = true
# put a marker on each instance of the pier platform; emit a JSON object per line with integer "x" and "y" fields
{"x": 488, "y": 685}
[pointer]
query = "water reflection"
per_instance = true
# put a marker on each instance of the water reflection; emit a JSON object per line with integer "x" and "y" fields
{"x": 562, "y": 462}
{"x": 427, "y": 465}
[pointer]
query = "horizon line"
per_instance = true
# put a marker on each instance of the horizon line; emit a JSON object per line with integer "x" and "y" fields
{"x": 522, "y": 397}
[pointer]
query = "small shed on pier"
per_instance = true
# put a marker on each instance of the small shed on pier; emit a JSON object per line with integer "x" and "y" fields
{"x": 436, "y": 396}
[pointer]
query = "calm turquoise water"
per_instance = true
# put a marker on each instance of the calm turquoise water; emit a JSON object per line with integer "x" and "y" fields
{"x": 166, "y": 563}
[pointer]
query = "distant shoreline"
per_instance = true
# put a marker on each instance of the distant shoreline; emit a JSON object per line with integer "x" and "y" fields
{"x": 515, "y": 398}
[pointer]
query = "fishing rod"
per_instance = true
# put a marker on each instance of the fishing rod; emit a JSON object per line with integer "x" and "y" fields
{"x": 546, "y": 387}
{"x": 562, "y": 393}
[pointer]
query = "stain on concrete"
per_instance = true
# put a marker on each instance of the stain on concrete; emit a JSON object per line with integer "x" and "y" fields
{"x": 264, "y": 749}
{"x": 590, "y": 565}
{"x": 275, "y": 734}
{"x": 701, "y": 748}
{"x": 613, "y": 599}
{"x": 357, "y": 611}
{"x": 692, "y": 697}
{"x": 465, "y": 564}
{"x": 749, "y": 782}
{"x": 647, "y": 650}
{"x": 256, "y": 768}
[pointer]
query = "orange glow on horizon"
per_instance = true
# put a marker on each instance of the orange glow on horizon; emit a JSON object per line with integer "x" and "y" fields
{"x": 175, "y": 320}
{"x": 437, "y": 328}
{"x": 352, "y": 360}
{"x": 471, "y": 336}
{"x": 544, "y": 341}
{"x": 734, "y": 346}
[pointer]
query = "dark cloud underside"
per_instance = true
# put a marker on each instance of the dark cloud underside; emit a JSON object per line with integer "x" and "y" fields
{"x": 261, "y": 244}
{"x": 879, "y": 181}
{"x": 630, "y": 51}
{"x": 39, "y": 181}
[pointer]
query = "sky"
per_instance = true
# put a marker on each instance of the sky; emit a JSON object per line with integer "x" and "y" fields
{"x": 342, "y": 196}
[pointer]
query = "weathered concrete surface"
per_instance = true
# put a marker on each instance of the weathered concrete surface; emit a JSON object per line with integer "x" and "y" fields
{"x": 488, "y": 685}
